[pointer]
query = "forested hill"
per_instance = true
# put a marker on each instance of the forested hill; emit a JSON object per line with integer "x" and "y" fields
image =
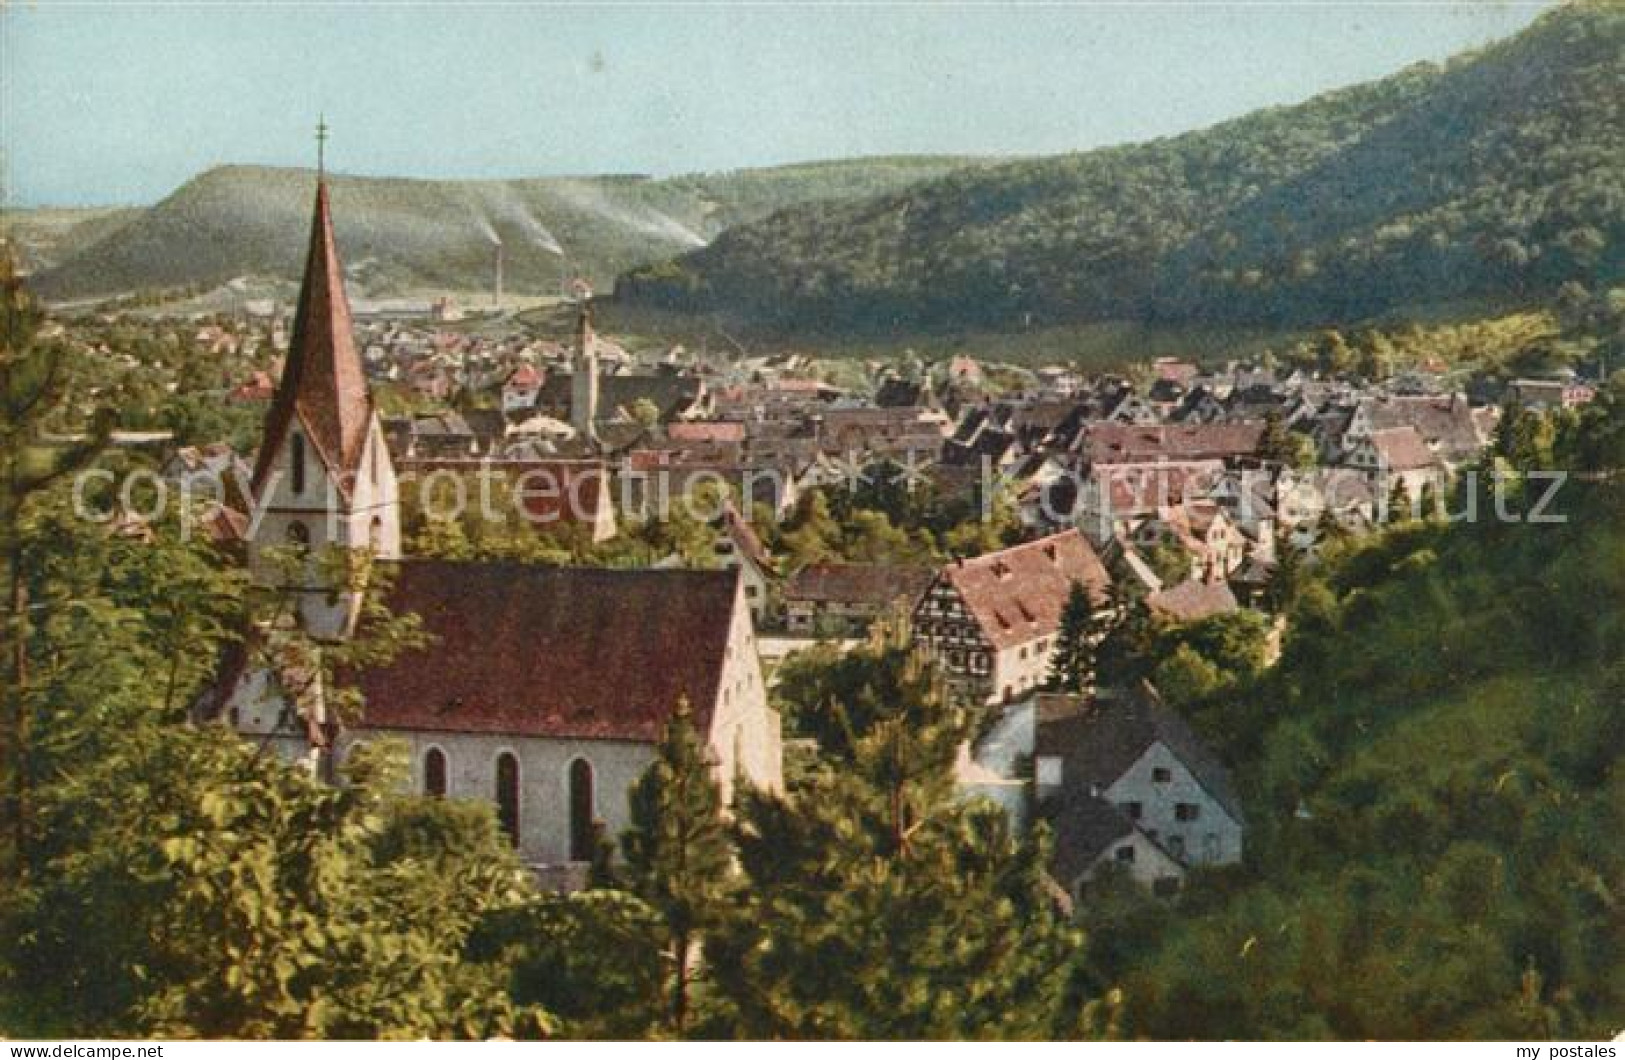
{"x": 1435, "y": 780}
{"x": 395, "y": 233}
{"x": 1498, "y": 174}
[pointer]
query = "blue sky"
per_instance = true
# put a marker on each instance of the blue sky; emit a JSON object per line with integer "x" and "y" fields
{"x": 120, "y": 104}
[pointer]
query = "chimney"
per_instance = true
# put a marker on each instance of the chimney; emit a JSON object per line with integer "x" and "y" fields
{"x": 496, "y": 289}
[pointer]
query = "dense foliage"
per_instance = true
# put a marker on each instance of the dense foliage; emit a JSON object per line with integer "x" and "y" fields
{"x": 1434, "y": 786}
{"x": 1495, "y": 175}
{"x": 880, "y": 903}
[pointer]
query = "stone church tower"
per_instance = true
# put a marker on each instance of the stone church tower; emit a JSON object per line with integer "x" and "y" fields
{"x": 584, "y": 376}
{"x": 323, "y": 480}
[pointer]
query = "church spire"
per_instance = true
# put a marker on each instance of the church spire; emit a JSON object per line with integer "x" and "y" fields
{"x": 323, "y": 478}
{"x": 323, "y": 385}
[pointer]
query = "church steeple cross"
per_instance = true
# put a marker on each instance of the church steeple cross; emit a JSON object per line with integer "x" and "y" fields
{"x": 321, "y": 147}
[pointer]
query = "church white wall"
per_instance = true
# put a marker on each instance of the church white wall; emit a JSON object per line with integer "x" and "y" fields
{"x": 256, "y": 710}
{"x": 544, "y": 779}
{"x": 745, "y": 732}
{"x": 744, "y": 738}
{"x": 369, "y": 519}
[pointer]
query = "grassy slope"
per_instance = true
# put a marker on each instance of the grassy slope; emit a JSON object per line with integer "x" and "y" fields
{"x": 400, "y": 234}
{"x": 48, "y": 235}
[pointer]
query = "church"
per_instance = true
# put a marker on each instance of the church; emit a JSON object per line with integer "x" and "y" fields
{"x": 543, "y": 690}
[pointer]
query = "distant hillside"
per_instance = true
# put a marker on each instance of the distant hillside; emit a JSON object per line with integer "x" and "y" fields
{"x": 398, "y": 234}
{"x": 1498, "y": 174}
{"x": 44, "y": 237}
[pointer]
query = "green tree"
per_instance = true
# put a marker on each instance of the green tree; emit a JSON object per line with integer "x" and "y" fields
{"x": 1072, "y": 662}
{"x": 34, "y": 395}
{"x": 592, "y": 959}
{"x": 678, "y": 854}
{"x": 1287, "y": 574}
{"x": 1185, "y": 678}
{"x": 645, "y": 413}
{"x": 879, "y": 904}
{"x": 1399, "y": 508}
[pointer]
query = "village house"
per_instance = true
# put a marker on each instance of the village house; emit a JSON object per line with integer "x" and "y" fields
{"x": 1112, "y": 499}
{"x": 1199, "y": 529}
{"x": 1448, "y": 425}
{"x": 1192, "y": 600}
{"x": 990, "y": 622}
{"x": 1118, "y": 443}
{"x": 1397, "y": 455}
{"x": 1124, "y": 782}
{"x": 876, "y": 431}
{"x": 521, "y": 389}
{"x": 740, "y": 548}
{"x": 843, "y": 599}
{"x": 1551, "y": 393}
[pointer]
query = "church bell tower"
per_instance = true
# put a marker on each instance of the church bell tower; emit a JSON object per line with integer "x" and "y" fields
{"x": 584, "y": 375}
{"x": 323, "y": 484}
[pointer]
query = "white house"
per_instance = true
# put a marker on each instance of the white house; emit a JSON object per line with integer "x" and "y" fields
{"x": 1128, "y": 772}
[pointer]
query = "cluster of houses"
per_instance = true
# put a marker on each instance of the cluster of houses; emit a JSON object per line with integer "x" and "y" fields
{"x": 545, "y": 689}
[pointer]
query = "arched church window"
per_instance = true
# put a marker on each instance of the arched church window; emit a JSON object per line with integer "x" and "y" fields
{"x": 508, "y": 795}
{"x": 581, "y": 810}
{"x": 434, "y": 772}
{"x": 296, "y": 455}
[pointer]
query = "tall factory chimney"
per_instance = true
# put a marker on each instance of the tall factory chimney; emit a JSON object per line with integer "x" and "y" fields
{"x": 496, "y": 291}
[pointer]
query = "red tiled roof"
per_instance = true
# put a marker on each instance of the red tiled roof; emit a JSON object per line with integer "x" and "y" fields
{"x": 1018, "y": 593}
{"x": 525, "y": 377}
{"x": 732, "y": 431}
{"x": 1174, "y": 369}
{"x": 1192, "y": 600}
{"x": 1402, "y": 448}
{"x": 1136, "y": 488}
{"x": 551, "y": 492}
{"x": 258, "y": 387}
{"x": 322, "y": 383}
{"x": 745, "y": 538}
{"x": 873, "y": 584}
{"x": 1123, "y": 442}
{"x": 565, "y": 652}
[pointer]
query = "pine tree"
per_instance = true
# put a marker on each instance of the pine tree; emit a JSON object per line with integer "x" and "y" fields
{"x": 882, "y": 904}
{"x": 678, "y": 854}
{"x": 1275, "y": 443}
{"x": 1072, "y": 663}
{"x": 1399, "y": 502}
{"x": 1287, "y": 575}
{"x": 34, "y": 390}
